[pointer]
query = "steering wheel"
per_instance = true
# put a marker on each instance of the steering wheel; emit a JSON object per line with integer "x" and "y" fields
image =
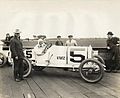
{"x": 46, "y": 48}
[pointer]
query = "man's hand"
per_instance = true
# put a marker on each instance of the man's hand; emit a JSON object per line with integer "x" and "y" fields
{"x": 108, "y": 47}
{"x": 16, "y": 57}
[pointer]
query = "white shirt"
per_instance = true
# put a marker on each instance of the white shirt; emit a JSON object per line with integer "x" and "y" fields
{"x": 38, "y": 49}
{"x": 71, "y": 43}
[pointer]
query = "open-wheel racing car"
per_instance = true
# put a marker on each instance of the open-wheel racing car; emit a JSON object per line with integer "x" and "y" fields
{"x": 90, "y": 66}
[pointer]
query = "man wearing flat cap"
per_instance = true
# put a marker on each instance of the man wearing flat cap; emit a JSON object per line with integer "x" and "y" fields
{"x": 71, "y": 41}
{"x": 59, "y": 42}
{"x": 17, "y": 54}
{"x": 114, "y": 51}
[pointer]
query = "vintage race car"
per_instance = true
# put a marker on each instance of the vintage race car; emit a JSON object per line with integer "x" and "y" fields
{"x": 84, "y": 59}
{"x": 90, "y": 65}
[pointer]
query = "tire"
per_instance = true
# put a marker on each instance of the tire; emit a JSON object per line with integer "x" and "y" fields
{"x": 38, "y": 68}
{"x": 27, "y": 67}
{"x": 89, "y": 73}
{"x": 3, "y": 59}
{"x": 99, "y": 58}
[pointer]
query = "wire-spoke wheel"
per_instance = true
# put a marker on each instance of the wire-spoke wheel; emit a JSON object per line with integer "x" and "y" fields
{"x": 27, "y": 67}
{"x": 91, "y": 70}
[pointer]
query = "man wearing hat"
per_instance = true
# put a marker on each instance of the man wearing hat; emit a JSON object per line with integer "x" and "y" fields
{"x": 17, "y": 54}
{"x": 113, "y": 50}
{"x": 59, "y": 42}
{"x": 40, "y": 48}
{"x": 109, "y": 40}
{"x": 7, "y": 39}
{"x": 71, "y": 41}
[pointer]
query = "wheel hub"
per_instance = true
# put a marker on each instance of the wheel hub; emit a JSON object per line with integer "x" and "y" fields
{"x": 90, "y": 70}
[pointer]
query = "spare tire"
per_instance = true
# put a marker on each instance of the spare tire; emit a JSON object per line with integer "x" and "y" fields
{"x": 3, "y": 59}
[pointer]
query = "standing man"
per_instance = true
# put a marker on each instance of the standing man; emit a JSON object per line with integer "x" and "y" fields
{"x": 7, "y": 39}
{"x": 59, "y": 42}
{"x": 17, "y": 54}
{"x": 114, "y": 51}
{"x": 109, "y": 40}
{"x": 109, "y": 62}
{"x": 71, "y": 41}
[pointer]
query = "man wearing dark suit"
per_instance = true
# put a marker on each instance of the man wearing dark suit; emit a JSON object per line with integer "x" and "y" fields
{"x": 17, "y": 54}
{"x": 113, "y": 49}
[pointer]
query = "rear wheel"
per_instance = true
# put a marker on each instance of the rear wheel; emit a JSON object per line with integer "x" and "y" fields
{"x": 27, "y": 67}
{"x": 91, "y": 70}
{"x": 3, "y": 59}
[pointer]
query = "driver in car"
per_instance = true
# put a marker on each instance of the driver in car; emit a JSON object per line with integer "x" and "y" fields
{"x": 40, "y": 48}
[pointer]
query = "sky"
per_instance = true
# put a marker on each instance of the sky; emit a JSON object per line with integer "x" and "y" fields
{"x": 81, "y": 18}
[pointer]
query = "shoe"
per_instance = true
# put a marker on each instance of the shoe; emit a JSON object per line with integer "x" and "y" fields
{"x": 17, "y": 80}
{"x": 118, "y": 71}
{"x": 114, "y": 71}
{"x": 108, "y": 71}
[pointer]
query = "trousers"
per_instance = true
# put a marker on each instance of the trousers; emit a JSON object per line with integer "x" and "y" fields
{"x": 18, "y": 68}
{"x": 116, "y": 57}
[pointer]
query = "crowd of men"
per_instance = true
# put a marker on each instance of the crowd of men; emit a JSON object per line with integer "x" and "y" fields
{"x": 17, "y": 54}
{"x": 69, "y": 42}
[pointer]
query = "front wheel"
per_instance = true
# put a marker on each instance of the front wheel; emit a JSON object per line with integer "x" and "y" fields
{"x": 3, "y": 59}
{"x": 91, "y": 70}
{"x": 27, "y": 67}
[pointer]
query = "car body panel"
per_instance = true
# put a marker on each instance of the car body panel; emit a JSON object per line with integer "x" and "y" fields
{"x": 61, "y": 56}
